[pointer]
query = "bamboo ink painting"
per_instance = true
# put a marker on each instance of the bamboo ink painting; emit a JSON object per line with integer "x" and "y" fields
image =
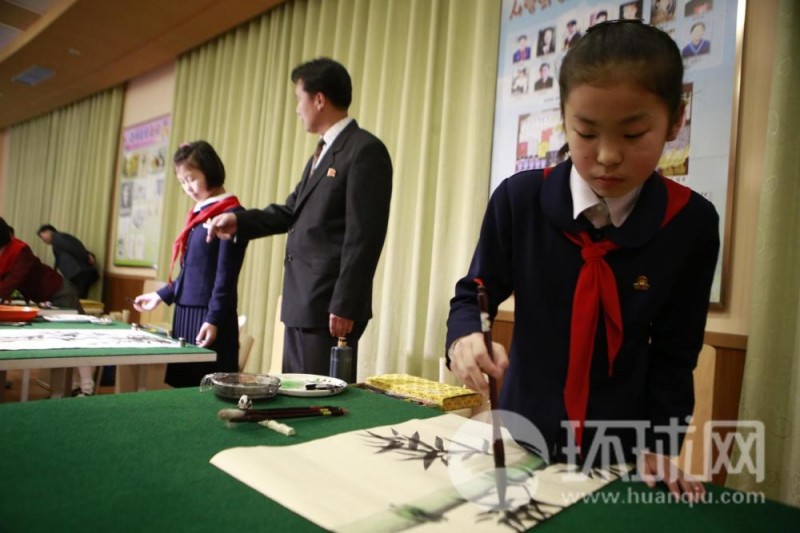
{"x": 441, "y": 474}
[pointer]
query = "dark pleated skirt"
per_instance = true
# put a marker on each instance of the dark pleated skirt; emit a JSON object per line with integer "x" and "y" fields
{"x": 186, "y": 324}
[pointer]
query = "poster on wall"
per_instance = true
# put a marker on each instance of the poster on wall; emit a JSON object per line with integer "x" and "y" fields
{"x": 536, "y": 34}
{"x": 140, "y": 202}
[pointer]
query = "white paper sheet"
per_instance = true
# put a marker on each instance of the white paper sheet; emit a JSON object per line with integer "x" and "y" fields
{"x": 435, "y": 474}
{"x": 23, "y": 338}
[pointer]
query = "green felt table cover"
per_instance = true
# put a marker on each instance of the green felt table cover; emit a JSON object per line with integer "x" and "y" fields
{"x": 140, "y": 462}
{"x": 40, "y": 324}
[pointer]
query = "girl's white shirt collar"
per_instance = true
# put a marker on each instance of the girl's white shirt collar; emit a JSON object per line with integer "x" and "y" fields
{"x": 583, "y": 197}
{"x": 212, "y": 200}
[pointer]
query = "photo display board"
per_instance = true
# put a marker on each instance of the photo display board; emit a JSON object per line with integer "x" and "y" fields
{"x": 140, "y": 201}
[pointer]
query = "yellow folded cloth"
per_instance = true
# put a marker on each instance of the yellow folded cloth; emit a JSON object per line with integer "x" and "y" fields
{"x": 445, "y": 397}
{"x": 92, "y": 307}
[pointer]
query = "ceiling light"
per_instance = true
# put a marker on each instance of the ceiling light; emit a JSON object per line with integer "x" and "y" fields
{"x": 33, "y": 75}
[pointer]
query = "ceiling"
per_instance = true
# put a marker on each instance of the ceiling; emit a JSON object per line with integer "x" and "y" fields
{"x": 91, "y": 45}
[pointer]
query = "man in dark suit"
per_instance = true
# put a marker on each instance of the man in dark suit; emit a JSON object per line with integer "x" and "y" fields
{"x": 336, "y": 220}
{"x": 75, "y": 262}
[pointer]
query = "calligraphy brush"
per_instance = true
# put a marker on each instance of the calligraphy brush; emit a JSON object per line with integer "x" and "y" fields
{"x": 323, "y": 409}
{"x": 274, "y": 425}
{"x": 497, "y": 438}
{"x": 257, "y": 415}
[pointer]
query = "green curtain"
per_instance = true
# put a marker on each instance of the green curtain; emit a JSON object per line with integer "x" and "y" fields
{"x": 772, "y": 369}
{"x": 61, "y": 171}
{"x": 424, "y": 74}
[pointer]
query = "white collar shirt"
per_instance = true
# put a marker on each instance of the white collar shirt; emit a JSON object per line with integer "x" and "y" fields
{"x": 600, "y": 211}
{"x": 214, "y": 199}
{"x": 332, "y": 133}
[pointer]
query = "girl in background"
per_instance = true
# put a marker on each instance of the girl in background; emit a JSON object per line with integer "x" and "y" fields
{"x": 205, "y": 292}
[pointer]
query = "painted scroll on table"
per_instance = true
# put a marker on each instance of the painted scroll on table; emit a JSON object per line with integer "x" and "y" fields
{"x": 433, "y": 475}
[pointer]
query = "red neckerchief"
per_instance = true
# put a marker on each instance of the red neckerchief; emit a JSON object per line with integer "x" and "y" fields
{"x": 10, "y": 253}
{"x": 193, "y": 219}
{"x": 596, "y": 288}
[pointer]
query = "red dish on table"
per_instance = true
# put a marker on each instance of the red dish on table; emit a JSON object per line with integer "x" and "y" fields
{"x": 15, "y": 313}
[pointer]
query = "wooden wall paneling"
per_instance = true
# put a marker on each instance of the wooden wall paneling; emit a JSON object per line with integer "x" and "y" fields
{"x": 503, "y": 328}
{"x": 728, "y": 375}
{"x": 118, "y": 290}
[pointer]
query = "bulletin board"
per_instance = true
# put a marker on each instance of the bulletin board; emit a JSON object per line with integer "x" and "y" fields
{"x": 528, "y": 131}
{"x": 140, "y": 201}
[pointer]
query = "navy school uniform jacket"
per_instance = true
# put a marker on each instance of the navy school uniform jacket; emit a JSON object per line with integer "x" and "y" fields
{"x": 209, "y": 275}
{"x": 663, "y": 276}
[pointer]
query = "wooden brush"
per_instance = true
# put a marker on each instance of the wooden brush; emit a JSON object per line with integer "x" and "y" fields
{"x": 497, "y": 438}
{"x": 257, "y": 415}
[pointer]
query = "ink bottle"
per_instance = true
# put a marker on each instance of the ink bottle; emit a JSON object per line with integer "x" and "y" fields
{"x": 341, "y": 365}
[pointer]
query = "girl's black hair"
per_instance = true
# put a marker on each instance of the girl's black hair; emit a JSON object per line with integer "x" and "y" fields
{"x": 202, "y": 156}
{"x": 626, "y": 50}
{"x": 5, "y": 232}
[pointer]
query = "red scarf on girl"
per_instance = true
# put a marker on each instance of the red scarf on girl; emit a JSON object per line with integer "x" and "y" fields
{"x": 597, "y": 291}
{"x": 10, "y": 253}
{"x": 193, "y": 219}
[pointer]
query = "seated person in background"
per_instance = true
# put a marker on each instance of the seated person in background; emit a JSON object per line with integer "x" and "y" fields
{"x": 21, "y": 270}
{"x": 74, "y": 261}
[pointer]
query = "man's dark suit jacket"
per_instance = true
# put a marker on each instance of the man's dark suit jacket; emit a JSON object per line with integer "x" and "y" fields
{"x": 72, "y": 257}
{"x": 336, "y": 221}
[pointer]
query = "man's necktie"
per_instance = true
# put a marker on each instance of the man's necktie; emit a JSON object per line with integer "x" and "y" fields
{"x": 317, "y": 152}
{"x": 314, "y": 161}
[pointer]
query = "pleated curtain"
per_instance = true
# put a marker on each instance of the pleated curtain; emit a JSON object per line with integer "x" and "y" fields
{"x": 424, "y": 74}
{"x": 61, "y": 171}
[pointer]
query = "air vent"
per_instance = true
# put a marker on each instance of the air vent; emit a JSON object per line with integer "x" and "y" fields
{"x": 33, "y": 75}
